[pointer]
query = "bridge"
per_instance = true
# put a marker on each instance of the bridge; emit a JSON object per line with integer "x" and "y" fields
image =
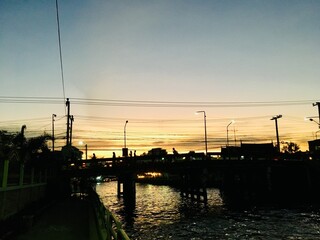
{"x": 239, "y": 181}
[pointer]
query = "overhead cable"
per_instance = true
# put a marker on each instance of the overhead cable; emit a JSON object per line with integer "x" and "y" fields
{"x": 60, "y": 52}
{"x": 164, "y": 104}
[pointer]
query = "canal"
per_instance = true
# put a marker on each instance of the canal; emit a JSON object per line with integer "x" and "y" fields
{"x": 161, "y": 213}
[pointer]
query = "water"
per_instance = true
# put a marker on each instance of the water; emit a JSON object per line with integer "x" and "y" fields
{"x": 161, "y": 213}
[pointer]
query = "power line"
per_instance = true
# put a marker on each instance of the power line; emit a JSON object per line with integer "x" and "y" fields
{"x": 131, "y": 103}
{"x": 60, "y": 52}
{"x": 165, "y": 104}
{"x": 30, "y": 100}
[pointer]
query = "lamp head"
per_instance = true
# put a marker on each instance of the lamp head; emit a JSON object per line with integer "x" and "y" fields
{"x": 276, "y": 117}
{"x": 198, "y": 112}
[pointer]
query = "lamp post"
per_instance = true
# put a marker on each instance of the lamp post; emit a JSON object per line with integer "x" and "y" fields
{"x": 53, "y": 116}
{"x": 228, "y": 132}
{"x": 125, "y": 134}
{"x": 317, "y": 104}
{"x": 312, "y": 120}
{"x": 275, "y": 118}
{"x": 205, "y": 129}
{"x": 125, "y": 149}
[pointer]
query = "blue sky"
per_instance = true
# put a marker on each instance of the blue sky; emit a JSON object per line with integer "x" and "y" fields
{"x": 198, "y": 51}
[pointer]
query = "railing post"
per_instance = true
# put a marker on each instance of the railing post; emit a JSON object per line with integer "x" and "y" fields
{"x": 5, "y": 174}
{"x": 40, "y": 176}
{"x": 108, "y": 225}
{"x": 21, "y": 175}
{"x": 32, "y": 176}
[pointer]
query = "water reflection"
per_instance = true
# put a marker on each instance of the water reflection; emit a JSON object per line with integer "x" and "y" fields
{"x": 161, "y": 213}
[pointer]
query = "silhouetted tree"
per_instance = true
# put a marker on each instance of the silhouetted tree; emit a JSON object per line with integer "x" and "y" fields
{"x": 290, "y": 147}
{"x": 17, "y": 144}
{"x": 6, "y": 143}
{"x": 37, "y": 145}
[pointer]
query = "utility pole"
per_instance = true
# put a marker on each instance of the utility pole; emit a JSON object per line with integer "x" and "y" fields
{"x": 86, "y": 151}
{"x": 275, "y": 118}
{"x": 68, "y": 121}
{"x": 53, "y": 116}
{"x": 317, "y": 104}
{"x": 72, "y": 119}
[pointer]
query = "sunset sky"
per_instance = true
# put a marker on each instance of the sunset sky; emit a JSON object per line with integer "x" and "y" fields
{"x": 155, "y": 63}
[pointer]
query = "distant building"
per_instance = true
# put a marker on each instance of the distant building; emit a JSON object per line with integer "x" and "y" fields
{"x": 249, "y": 151}
{"x": 314, "y": 149}
{"x": 231, "y": 153}
{"x": 262, "y": 151}
{"x": 157, "y": 152}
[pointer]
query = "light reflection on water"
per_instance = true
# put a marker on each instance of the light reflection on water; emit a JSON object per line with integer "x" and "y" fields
{"x": 161, "y": 213}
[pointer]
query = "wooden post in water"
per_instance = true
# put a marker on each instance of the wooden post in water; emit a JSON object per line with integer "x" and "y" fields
{"x": 193, "y": 187}
{"x": 120, "y": 187}
{"x": 127, "y": 187}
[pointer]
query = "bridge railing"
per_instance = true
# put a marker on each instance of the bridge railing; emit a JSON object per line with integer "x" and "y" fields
{"x": 19, "y": 187}
{"x": 109, "y": 226}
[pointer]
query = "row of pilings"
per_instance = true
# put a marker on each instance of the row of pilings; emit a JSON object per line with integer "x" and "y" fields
{"x": 243, "y": 182}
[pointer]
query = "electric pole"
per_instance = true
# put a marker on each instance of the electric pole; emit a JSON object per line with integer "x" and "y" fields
{"x": 68, "y": 121}
{"x": 72, "y": 119}
{"x": 53, "y": 116}
{"x": 275, "y": 118}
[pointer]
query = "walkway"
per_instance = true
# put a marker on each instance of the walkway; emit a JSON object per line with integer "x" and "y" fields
{"x": 67, "y": 219}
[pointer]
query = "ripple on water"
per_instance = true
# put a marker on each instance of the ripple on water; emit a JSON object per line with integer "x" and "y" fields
{"x": 161, "y": 213}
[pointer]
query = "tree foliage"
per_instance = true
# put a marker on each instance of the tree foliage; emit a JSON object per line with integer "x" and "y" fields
{"x": 6, "y": 143}
{"x": 290, "y": 147}
{"x": 25, "y": 149}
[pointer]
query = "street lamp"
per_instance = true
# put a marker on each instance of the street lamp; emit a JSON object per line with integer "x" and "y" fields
{"x": 312, "y": 120}
{"x": 205, "y": 129}
{"x": 125, "y": 149}
{"x": 317, "y": 104}
{"x": 228, "y": 132}
{"x": 53, "y": 116}
{"x": 125, "y": 134}
{"x": 275, "y": 118}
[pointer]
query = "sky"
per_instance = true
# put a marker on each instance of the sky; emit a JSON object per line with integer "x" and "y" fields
{"x": 155, "y": 63}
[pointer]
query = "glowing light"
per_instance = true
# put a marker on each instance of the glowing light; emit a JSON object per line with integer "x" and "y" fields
{"x": 149, "y": 175}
